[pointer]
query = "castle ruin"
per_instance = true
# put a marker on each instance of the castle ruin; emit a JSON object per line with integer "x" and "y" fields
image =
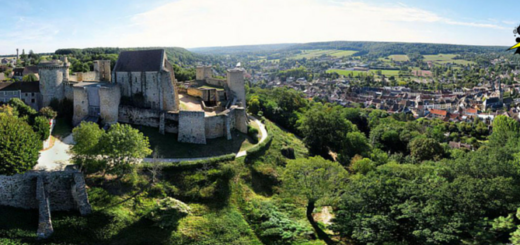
{"x": 142, "y": 90}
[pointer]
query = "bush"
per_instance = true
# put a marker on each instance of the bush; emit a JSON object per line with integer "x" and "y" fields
{"x": 23, "y": 109}
{"x": 48, "y": 112}
{"x": 253, "y": 133}
{"x": 19, "y": 146}
{"x": 42, "y": 127}
{"x": 168, "y": 212}
{"x": 190, "y": 165}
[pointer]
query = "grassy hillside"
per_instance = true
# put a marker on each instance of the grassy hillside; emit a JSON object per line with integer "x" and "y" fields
{"x": 234, "y": 202}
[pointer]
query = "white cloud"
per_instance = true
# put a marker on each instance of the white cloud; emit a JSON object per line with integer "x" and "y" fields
{"x": 197, "y": 23}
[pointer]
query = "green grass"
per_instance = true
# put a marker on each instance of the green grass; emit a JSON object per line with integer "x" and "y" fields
{"x": 229, "y": 203}
{"x": 313, "y": 53}
{"x": 62, "y": 128}
{"x": 446, "y": 58}
{"x": 169, "y": 147}
{"x": 355, "y": 73}
{"x": 211, "y": 87}
{"x": 399, "y": 57}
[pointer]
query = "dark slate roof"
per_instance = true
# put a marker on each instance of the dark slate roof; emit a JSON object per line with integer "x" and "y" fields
{"x": 141, "y": 60}
{"x": 30, "y": 70}
{"x": 25, "y": 87}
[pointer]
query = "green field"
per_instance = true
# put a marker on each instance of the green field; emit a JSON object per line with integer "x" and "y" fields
{"x": 399, "y": 57}
{"x": 314, "y": 53}
{"x": 355, "y": 73}
{"x": 446, "y": 58}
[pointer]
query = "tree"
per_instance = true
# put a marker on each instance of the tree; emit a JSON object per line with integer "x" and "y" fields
{"x": 42, "y": 127}
{"x": 87, "y": 136}
{"x": 48, "y": 112}
{"x": 19, "y": 145}
{"x": 426, "y": 149}
{"x": 504, "y": 129}
{"x": 122, "y": 146}
{"x": 254, "y": 105}
{"x": 325, "y": 129}
{"x": 23, "y": 109}
{"x": 314, "y": 179}
{"x": 30, "y": 78}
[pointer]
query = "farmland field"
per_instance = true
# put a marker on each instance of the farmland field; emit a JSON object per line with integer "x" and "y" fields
{"x": 399, "y": 57}
{"x": 445, "y": 58}
{"x": 354, "y": 73}
{"x": 319, "y": 52}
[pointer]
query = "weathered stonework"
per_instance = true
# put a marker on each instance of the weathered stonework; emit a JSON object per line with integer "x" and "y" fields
{"x": 110, "y": 97}
{"x": 191, "y": 127}
{"x": 45, "y": 191}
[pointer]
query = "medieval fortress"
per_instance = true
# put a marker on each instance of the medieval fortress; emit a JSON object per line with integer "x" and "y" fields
{"x": 142, "y": 90}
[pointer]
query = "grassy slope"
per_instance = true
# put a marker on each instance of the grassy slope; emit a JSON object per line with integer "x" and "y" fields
{"x": 169, "y": 147}
{"x": 222, "y": 207}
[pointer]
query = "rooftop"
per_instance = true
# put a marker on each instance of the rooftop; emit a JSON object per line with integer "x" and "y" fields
{"x": 141, "y": 60}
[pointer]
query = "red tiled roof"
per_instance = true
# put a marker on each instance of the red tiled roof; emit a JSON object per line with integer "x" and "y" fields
{"x": 438, "y": 112}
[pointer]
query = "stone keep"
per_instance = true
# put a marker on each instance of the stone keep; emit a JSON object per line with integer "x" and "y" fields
{"x": 53, "y": 75}
{"x": 236, "y": 84}
{"x": 148, "y": 76}
{"x": 102, "y": 67}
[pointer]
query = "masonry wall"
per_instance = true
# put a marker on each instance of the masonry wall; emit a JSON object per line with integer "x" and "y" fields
{"x": 195, "y": 92}
{"x": 241, "y": 120}
{"x": 172, "y": 122}
{"x": 215, "y": 126}
{"x": 68, "y": 90}
{"x": 216, "y": 82}
{"x": 157, "y": 88}
{"x": 139, "y": 116}
{"x": 80, "y": 105}
{"x": 236, "y": 84}
{"x": 109, "y": 109}
{"x": 191, "y": 127}
{"x": 20, "y": 190}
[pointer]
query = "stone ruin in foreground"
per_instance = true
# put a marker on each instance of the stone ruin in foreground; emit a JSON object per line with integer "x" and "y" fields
{"x": 45, "y": 191}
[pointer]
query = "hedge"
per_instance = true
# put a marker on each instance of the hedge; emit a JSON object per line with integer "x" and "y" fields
{"x": 189, "y": 165}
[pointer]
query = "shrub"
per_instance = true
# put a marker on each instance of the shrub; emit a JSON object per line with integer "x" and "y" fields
{"x": 48, "y": 112}
{"x": 42, "y": 127}
{"x": 23, "y": 109}
{"x": 253, "y": 133}
{"x": 168, "y": 212}
{"x": 19, "y": 146}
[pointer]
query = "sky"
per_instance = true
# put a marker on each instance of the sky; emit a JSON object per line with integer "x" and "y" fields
{"x": 44, "y": 26}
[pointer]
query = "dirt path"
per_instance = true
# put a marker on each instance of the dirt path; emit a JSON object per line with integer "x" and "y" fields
{"x": 57, "y": 157}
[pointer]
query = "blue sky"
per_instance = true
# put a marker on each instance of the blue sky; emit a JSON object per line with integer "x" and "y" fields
{"x": 45, "y": 26}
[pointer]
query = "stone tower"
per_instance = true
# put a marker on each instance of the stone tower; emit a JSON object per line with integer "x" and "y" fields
{"x": 53, "y": 75}
{"x": 203, "y": 72}
{"x": 236, "y": 84}
{"x": 102, "y": 67}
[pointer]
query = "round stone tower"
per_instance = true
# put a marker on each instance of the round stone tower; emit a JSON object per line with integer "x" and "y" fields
{"x": 236, "y": 84}
{"x": 53, "y": 74}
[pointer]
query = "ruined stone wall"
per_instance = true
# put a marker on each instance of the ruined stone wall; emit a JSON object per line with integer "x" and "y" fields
{"x": 236, "y": 84}
{"x": 139, "y": 116}
{"x": 172, "y": 122}
{"x": 19, "y": 190}
{"x": 68, "y": 90}
{"x": 102, "y": 68}
{"x": 90, "y": 76}
{"x": 215, "y": 126}
{"x": 216, "y": 82}
{"x": 109, "y": 109}
{"x": 191, "y": 127}
{"x": 241, "y": 120}
{"x": 51, "y": 83}
{"x": 80, "y": 105}
{"x": 195, "y": 92}
{"x": 157, "y": 88}
{"x": 169, "y": 92}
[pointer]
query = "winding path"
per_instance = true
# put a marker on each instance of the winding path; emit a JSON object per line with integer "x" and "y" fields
{"x": 58, "y": 158}
{"x": 239, "y": 154}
